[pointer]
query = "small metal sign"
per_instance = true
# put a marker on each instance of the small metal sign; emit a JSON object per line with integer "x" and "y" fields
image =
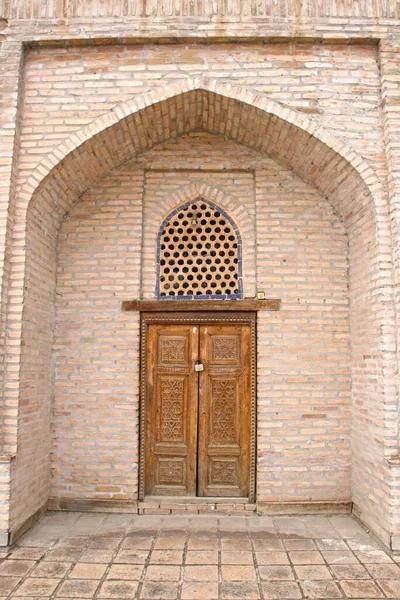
{"x": 199, "y": 367}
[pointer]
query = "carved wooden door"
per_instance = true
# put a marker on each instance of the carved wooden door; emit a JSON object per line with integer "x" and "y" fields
{"x": 197, "y": 429}
{"x": 224, "y": 420}
{"x": 172, "y": 402}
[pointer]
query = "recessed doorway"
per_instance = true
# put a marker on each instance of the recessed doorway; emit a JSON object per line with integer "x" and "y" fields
{"x": 197, "y": 427}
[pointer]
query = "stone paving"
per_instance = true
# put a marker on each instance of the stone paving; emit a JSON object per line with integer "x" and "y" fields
{"x": 78, "y": 556}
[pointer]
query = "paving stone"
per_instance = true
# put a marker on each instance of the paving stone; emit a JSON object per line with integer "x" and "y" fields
{"x": 361, "y": 589}
{"x": 167, "y": 557}
{"x": 281, "y": 591}
{"x": 118, "y": 589}
{"x": 272, "y": 558}
{"x": 202, "y": 557}
{"x": 137, "y": 557}
{"x": 201, "y": 573}
{"x": 384, "y": 571}
{"x": 74, "y": 542}
{"x": 291, "y": 526}
{"x": 145, "y": 534}
{"x": 233, "y": 523}
{"x": 237, "y": 558}
{"x": 330, "y": 544}
{"x": 159, "y": 591}
{"x": 170, "y": 543}
{"x": 299, "y": 544}
{"x": 240, "y": 591}
{"x": 8, "y": 584}
{"x": 306, "y": 558}
{"x": 137, "y": 543}
{"x": 364, "y": 544}
{"x": 37, "y": 541}
{"x": 238, "y": 573}
{"x": 350, "y": 572}
{"x": 199, "y": 591}
{"x": 62, "y": 555}
{"x": 77, "y": 588}
{"x": 107, "y": 542}
{"x": 27, "y": 553}
{"x": 235, "y": 544}
{"x": 96, "y": 556}
{"x": 391, "y": 587}
{"x": 321, "y": 589}
{"x": 15, "y": 568}
{"x": 125, "y": 572}
{"x": 315, "y": 572}
{"x": 88, "y": 571}
{"x": 163, "y": 573}
{"x": 37, "y": 587}
{"x": 203, "y": 543}
{"x": 340, "y": 557}
{"x": 372, "y": 556}
{"x": 164, "y": 570}
{"x": 55, "y": 570}
{"x": 276, "y": 573}
{"x": 267, "y": 544}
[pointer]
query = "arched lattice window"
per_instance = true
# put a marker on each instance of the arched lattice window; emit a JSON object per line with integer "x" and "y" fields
{"x": 199, "y": 253}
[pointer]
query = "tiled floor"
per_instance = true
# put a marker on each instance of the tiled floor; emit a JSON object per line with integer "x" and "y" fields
{"x": 79, "y": 556}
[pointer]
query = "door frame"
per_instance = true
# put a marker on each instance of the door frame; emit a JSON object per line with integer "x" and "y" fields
{"x": 197, "y": 318}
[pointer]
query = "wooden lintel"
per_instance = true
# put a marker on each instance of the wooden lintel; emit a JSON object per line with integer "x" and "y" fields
{"x": 247, "y": 304}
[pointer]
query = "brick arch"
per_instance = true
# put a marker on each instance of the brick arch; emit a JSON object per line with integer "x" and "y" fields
{"x": 214, "y": 194}
{"x": 247, "y": 118}
{"x": 177, "y": 96}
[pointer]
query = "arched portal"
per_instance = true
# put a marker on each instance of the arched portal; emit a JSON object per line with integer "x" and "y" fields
{"x": 251, "y": 121}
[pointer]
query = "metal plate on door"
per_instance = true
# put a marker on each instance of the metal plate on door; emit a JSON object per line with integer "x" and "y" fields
{"x": 199, "y": 367}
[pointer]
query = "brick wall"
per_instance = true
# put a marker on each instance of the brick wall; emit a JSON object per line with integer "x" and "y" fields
{"x": 66, "y": 88}
{"x": 96, "y": 347}
{"x": 312, "y": 91}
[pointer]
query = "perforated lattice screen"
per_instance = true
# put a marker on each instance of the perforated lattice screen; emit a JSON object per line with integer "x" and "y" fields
{"x": 199, "y": 253}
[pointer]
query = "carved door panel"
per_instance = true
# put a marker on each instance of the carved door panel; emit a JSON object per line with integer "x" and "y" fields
{"x": 224, "y": 416}
{"x": 172, "y": 401}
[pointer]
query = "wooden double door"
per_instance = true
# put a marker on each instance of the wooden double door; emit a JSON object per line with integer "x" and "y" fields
{"x": 198, "y": 421}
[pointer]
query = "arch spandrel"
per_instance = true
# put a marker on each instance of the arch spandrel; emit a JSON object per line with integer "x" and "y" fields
{"x": 136, "y": 125}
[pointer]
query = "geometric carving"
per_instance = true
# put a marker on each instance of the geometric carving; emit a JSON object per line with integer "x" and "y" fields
{"x": 224, "y": 413}
{"x": 173, "y": 350}
{"x": 223, "y": 472}
{"x": 199, "y": 253}
{"x": 170, "y": 472}
{"x": 225, "y": 348}
{"x": 171, "y": 410}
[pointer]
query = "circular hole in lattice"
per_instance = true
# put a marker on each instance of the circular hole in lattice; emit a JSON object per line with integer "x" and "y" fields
{"x": 198, "y": 250}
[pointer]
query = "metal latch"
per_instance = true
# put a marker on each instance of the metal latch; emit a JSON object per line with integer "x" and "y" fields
{"x": 199, "y": 367}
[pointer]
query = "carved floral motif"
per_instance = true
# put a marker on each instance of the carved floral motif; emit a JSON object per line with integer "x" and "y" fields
{"x": 171, "y": 410}
{"x": 224, "y": 417}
